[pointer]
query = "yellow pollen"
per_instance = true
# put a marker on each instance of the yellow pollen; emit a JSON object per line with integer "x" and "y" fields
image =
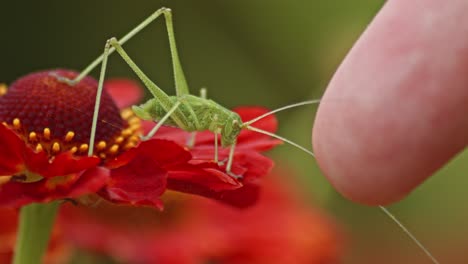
{"x": 119, "y": 140}
{"x": 129, "y": 145}
{"x": 47, "y": 133}
{"x": 134, "y": 127}
{"x": 84, "y": 147}
{"x": 56, "y": 147}
{"x": 3, "y": 89}
{"x": 39, "y": 148}
{"x": 74, "y": 150}
{"x": 4, "y": 123}
{"x": 127, "y": 132}
{"x": 114, "y": 149}
{"x": 134, "y": 120}
{"x": 32, "y": 136}
{"x": 16, "y": 123}
{"x": 101, "y": 145}
{"x": 126, "y": 113}
{"x": 69, "y": 136}
{"x": 102, "y": 155}
{"x": 134, "y": 139}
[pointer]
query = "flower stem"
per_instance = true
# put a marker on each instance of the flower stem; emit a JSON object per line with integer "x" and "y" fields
{"x": 36, "y": 221}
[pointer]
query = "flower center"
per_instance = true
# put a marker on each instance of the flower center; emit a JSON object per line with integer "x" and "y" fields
{"x": 54, "y": 117}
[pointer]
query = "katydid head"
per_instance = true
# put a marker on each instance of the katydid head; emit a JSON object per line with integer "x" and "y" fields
{"x": 231, "y": 130}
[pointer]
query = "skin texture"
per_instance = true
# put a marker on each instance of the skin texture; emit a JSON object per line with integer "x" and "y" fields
{"x": 397, "y": 108}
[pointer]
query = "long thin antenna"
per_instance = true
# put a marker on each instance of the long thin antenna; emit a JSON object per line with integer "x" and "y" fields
{"x": 385, "y": 210}
{"x": 316, "y": 101}
{"x": 410, "y": 235}
{"x": 258, "y": 130}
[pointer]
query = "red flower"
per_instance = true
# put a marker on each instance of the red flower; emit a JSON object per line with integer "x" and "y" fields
{"x": 36, "y": 161}
{"x": 44, "y": 138}
{"x": 45, "y": 142}
{"x": 281, "y": 228}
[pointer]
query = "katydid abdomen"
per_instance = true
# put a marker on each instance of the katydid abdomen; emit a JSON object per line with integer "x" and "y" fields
{"x": 199, "y": 114}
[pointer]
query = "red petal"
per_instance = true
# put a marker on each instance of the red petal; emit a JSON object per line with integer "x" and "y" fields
{"x": 140, "y": 182}
{"x": 11, "y": 153}
{"x": 139, "y": 175}
{"x": 203, "y": 179}
{"x": 209, "y": 180}
{"x": 15, "y": 156}
{"x": 61, "y": 165}
{"x": 15, "y": 194}
{"x": 162, "y": 152}
{"x": 281, "y": 228}
{"x": 124, "y": 92}
{"x": 91, "y": 181}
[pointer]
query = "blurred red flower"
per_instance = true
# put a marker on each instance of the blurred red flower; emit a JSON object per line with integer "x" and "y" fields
{"x": 57, "y": 253}
{"x": 280, "y": 228}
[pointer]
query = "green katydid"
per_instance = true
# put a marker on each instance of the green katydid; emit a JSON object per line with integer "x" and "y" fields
{"x": 188, "y": 112}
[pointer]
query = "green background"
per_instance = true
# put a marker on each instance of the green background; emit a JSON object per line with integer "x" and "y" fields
{"x": 269, "y": 53}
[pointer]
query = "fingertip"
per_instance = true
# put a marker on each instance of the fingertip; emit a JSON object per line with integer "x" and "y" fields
{"x": 394, "y": 112}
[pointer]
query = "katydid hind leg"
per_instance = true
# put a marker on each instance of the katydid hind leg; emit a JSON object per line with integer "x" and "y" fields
{"x": 177, "y": 116}
{"x": 179, "y": 76}
{"x": 122, "y": 41}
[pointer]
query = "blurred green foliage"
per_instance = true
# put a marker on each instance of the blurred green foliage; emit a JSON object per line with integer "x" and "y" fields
{"x": 269, "y": 53}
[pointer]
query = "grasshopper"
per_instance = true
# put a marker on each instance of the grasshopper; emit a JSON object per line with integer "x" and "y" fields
{"x": 188, "y": 112}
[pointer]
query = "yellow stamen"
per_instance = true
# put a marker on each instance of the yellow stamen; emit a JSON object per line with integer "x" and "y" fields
{"x": 134, "y": 139}
{"x": 101, "y": 145}
{"x": 129, "y": 145}
{"x": 126, "y": 113}
{"x": 84, "y": 147}
{"x": 134, "y": 120}
{"x": 56, "y": 147}
{"x": 3, "y": 89}
{"x": 74, "y": 150}
{"x": 47, "y": 133}
{"x": 127, "y": 132}
{"x": 119, "y": 140}
{"x": 16, "y": 123}
{"x": 32, "y": 136}
{"x": 39, "y": 148}
{"x": 114, "y": 149}
{"x": 69, "y": 136}
{"x": 135, "y": 127}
